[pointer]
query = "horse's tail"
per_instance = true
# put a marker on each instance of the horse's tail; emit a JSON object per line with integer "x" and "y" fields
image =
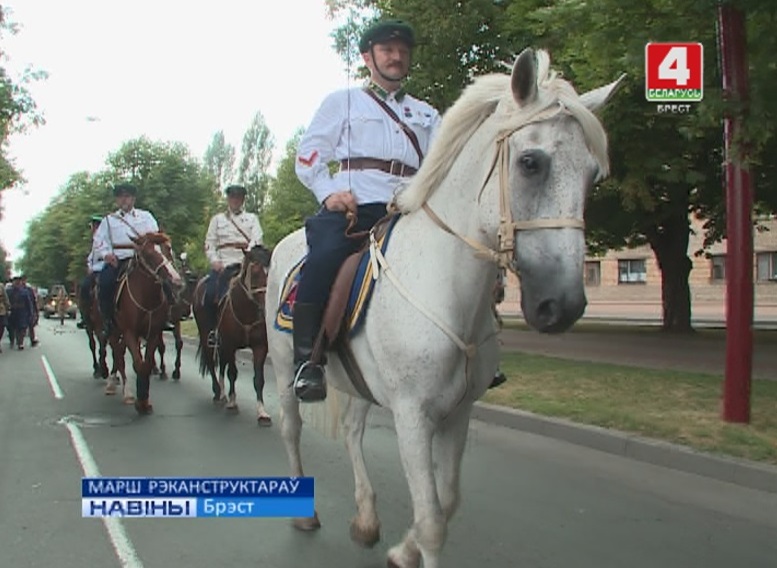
{"x": 203, "y": 358}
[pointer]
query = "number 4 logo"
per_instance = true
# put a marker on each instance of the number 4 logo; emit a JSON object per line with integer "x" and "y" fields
{"x": 674, "y": 72}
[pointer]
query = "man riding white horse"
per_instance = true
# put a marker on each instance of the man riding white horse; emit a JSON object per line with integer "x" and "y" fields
{"x": 360, "y": 128}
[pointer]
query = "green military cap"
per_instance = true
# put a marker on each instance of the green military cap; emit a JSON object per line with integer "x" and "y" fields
{"x": 386, "y": 30}
{"x": 96, "y": 219}
{"x": 122, "y": 188}
{"x": 239, "y": 189}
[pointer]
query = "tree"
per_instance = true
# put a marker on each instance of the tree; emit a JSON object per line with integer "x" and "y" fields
{"x": 288, "y": 201}
{"x": 256, "y": 153}
{"x": 171, "y": 184}
{"x": 219, "y": 161}
{"x": 17, "y": 109}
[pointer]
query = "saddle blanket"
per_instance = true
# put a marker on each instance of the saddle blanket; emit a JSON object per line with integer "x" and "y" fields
{"x": 358, "y": 298}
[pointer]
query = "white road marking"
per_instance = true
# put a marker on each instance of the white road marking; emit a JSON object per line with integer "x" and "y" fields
{"x": 52, "y": 378}
{"x": 122, "y": 545}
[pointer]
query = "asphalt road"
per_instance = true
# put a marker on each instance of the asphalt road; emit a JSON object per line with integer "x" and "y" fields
{"x": 528, "y": 501}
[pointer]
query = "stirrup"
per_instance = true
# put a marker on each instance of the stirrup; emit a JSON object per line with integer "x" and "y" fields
{"x": 318, "y": 393}
{"x": 213, "y": 339}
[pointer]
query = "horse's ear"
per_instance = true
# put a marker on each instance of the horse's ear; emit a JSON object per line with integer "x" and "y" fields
{"x": 597, "y": 98}
{"x": 524, "y": 78}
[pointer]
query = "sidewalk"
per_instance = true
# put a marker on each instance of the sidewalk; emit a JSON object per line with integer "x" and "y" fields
{"x": 703, "y": 314}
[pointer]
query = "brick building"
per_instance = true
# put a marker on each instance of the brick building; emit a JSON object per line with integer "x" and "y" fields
{"x": 632, "y": 276}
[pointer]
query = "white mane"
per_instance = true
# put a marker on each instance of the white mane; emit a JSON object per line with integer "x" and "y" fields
{"x": 485, "y": 96}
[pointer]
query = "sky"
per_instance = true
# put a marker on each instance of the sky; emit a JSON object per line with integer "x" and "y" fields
{"x": 171, "y": 70}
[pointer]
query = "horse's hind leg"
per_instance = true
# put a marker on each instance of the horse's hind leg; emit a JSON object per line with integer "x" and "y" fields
{"x": 365, "y": 526}
{"x": 232, "y": 375}
{"x": 162, "y": 371}
{"x": 178, "y": 349}
{"x": 260, "y": 356}
{"x": 427, "y": 535}
{"x": 96, "y": 369}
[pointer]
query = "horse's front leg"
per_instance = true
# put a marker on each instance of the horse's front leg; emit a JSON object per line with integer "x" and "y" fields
{"x": 222, "y": 370}
{"x": 365, "y": 526}
{"x": 426, "y": 537}
{"x": 260, "y": 356}
{"x": 448, "y": 449}
{"x": 230, "y": 358}
{"x": 142, "y": 372}
{"x": 178, "y": 349}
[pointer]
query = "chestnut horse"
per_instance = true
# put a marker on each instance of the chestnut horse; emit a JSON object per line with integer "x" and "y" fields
{"x": 240, "y": 324}
{"x": 142, "y": 308}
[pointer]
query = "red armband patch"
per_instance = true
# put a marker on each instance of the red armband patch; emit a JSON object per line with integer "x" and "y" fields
{"x": 309, "y": 160}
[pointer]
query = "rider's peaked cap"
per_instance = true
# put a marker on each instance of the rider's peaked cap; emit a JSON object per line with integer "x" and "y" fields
{"x": 121, "y": 188}
{"x": 236, "y": 189}
{"x": 386, "y": 30}
{"x": 96, "y": 219}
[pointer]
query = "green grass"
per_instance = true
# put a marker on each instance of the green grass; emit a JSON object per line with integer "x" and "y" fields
{"x": 189, "y": 328}
{"x": 683, "y": 408}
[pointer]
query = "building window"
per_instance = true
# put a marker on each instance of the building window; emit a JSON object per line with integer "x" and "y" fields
{"x": 632, "y": 271}
{"x": 766, "y": 263}
{"x": 718, "y": 268}
{"x": 593, "y": 273}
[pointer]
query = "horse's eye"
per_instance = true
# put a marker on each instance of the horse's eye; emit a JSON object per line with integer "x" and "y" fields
{"x": 529, "y": 164}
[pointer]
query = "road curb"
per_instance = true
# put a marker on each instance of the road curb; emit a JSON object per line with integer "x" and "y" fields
{"x": 749, "y": 474}
{"x": 753, "y": 475}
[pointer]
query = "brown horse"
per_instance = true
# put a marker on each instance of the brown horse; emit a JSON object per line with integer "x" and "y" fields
{"x": 240, "y": 324}
{"x": 142, "y": 308}
{"x": 179, "y": 311}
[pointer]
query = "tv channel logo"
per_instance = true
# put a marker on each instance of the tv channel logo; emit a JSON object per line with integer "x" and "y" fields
{"x": 674, "y": 72}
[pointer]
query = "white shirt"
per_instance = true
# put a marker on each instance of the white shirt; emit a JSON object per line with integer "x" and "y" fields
{"x": 350, "y": 124}
{"x": 117, "y": 228}
{"x": 224, "y": 243}
{"x": 93, "y": 262}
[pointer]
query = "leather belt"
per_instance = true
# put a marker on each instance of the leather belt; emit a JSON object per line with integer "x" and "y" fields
{"x": 393, "y": 167}
{"x": 118, "y": 247}
{"x": 241, "y": 246}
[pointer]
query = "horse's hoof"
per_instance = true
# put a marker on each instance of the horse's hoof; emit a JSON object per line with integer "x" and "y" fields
{"x": 264, "y": 421}
{"x": 307, "y": 524}
{"x": 232, "y": 407}
{"x": 219, "y": 400}
{"x": 364, "y": 536}
{"x": 396, "y": 559}
{"x": 110, "y": 391}
{"x": 162, "y": 376}
{"x": 97, "y": 375}
{"x": 129, "y": 400}
{"x": 176, "y": 375}
{"x": 144, "y": 407}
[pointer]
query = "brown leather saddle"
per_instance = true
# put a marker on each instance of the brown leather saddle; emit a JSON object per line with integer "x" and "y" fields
{"x": 333, "y": 335}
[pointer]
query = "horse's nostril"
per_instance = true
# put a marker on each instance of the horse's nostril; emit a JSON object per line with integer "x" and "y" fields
{"x": 548, "y": 312}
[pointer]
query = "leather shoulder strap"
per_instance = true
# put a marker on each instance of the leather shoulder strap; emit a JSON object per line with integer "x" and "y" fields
{"x": 241, "y": 231}
{"x": 405, "y": 128}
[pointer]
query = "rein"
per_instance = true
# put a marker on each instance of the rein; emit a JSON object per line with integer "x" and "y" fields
{"x": 139, "y": 260}
{"x": 503, "y": 255}
{"x": 244, "y": 284}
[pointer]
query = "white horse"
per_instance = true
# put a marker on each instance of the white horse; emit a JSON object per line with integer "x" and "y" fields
{"x": 506, "y": 179}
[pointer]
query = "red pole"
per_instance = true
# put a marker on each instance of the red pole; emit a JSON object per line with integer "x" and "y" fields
{"x": 739, "y": 227}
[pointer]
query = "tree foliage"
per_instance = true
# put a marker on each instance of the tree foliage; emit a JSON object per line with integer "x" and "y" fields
{"x": 289, "y": 202}
{"x": 171, "y": 184}
{"x": 255, "y": 156}
{"x": 18, "y": 110}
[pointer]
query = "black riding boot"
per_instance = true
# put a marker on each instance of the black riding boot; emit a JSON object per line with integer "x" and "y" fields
{"x": 309, "y": 384}
{"x": 499, "y": 378}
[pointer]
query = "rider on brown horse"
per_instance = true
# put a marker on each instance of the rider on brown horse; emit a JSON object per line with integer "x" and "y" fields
{"x": 229, "y": 234}
{"x": 114, "y": 246}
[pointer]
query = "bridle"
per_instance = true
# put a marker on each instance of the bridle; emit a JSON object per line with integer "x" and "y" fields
{"x": 505, "y": 251}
